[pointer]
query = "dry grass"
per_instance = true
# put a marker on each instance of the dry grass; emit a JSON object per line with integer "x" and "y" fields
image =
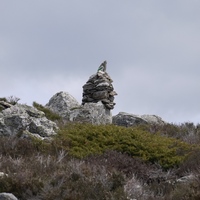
{"x": 45, "y": 170}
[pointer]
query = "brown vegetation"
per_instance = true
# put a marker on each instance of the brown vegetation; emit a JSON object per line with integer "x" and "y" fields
{"x": 86, "y": 162}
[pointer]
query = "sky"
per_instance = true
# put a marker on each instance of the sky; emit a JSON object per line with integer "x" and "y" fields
{"x": 152, "y": 48}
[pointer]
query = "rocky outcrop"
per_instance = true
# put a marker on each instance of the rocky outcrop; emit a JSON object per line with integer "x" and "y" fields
{"x": 68, "y": 107}
{"x": 95, "y": 113}
{"x": 62, "y": 103}
{"x": 127, "y": 119}
{"x": 22, "y": 118}
{"x": 153, "y": 119}
{"x": 98, "y": 100}
{"x": 7, "y": 196}
{"x": 4, "y": 105}
{"x": 99, "y": 88}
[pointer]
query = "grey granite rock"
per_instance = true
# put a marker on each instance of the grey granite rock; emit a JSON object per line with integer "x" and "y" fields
{"x": 7, "y": 196}
{"x": 62, "y": 103}
{"x": 95, "y": 113}
{"x": 20, "y": 117}
{"x": 127, "y": 119}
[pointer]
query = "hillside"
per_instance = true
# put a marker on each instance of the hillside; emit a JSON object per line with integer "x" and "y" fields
{"x": 106, "y": 161}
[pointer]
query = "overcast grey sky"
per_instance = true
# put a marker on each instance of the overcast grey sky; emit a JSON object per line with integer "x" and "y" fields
{"x": 152, "y": 48}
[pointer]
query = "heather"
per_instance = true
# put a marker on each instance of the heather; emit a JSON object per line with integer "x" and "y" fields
{"x": 85, "y": 161}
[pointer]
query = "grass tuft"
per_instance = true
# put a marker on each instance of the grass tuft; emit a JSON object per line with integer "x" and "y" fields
{"x": 48, "y": 113}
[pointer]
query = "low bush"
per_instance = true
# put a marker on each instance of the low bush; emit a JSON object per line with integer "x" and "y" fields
{"x": 82, "y": 140}
{"x": 48, "y": 174}
{"x": 11, "y": 99}
{"x": 187, "y": 132}
{"x": 189, "y": 190}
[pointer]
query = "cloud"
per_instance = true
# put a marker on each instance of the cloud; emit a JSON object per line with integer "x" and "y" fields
{"x": 152, "y": 49}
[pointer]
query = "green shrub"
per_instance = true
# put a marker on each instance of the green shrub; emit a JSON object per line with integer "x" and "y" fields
{"x": 82, "y": 140}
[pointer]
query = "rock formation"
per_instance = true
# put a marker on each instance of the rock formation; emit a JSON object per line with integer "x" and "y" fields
{"x": 98, "y": 100}
{"x": 94, "y": 113}
{"x": 4, "y": 105}
{"x": 126, "y": 119}
{"x": 153, "y": 119}
{"x": 62, "y": 103}
{"x": 68, "y": 107}
{"x": 99, "y": 88}
{"x": 25, "y": 119}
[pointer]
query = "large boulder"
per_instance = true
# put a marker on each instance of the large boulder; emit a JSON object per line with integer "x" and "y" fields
{"x": 99, "y": 88}
{"x": 19, "y": 118}
{"x": 95, "y": 113}
{"x": 62, "y": 103}
{"x": 127, "y": 119}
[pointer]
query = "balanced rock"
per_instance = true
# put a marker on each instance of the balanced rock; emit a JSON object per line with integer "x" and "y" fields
{"x": 62, "y": 103}
{"x": 23, "y": 118}
{"x": 99, "y": 88}
{"x": 127, "y": 119}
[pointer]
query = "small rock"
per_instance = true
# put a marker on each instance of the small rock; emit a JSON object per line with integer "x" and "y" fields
{"x": 2, "y": 174}
{"x": 186, "y": 178}
{"x": 7, "y": 196}
{"x": 4, "y": 105}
